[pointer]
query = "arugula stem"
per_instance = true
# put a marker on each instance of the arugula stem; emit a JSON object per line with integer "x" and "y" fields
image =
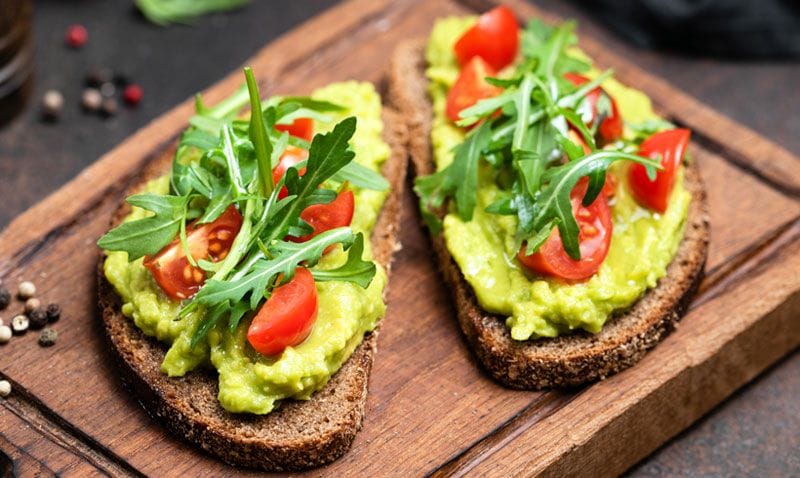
{"x": 259, "y": 136}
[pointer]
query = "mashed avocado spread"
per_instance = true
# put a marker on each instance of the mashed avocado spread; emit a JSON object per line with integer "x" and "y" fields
{"x": 642, "y": 245}
{"x": 250, "y": 382}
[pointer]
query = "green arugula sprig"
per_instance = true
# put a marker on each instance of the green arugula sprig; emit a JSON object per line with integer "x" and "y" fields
{"x": 526, "y": 143}
{"x": 164, "y": 12}
{"x": 224, "y": 161}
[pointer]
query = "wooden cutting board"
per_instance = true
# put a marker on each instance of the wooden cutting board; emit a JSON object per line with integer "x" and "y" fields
{"x": 431, "y": 410}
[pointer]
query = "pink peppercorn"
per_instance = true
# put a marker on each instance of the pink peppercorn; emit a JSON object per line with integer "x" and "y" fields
{"x": 133, "y": 94}
{"x": 76, "y": 36}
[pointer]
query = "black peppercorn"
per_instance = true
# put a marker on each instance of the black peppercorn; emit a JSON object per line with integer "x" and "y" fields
{"x": 53, "y": 312}
{"x": 5, "y": 297}
{"x": 98, "y": 76}
{"x": 38, "y": 318}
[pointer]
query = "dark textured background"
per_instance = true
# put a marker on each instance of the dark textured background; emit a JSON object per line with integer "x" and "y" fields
{"x": 756, "y": 432}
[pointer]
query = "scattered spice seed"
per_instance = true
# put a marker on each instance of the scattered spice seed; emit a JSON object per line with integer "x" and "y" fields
{"x": 76, "y": 36}
{"x": 107, "y": 89}
{"x": 48, "y": 337}
{"x": 53, "y": 312}
{"x": 19, "y": 324}
{"x": 52, "y": 103}
{"x": 5, "y": 334}
{"x": 32, "y": 304}
{"x": 121, "y": 80}
{"x": 91, "y": 99}
{"x": 37, "y": 318}
{"x": 5, "y": 388}
{"x": 133, "y": 94}
{"x": 26, "y": 290}
{"x": 109, "y": 107}
{"x": 98, "y": 76}
{"x": 5, "y": 297}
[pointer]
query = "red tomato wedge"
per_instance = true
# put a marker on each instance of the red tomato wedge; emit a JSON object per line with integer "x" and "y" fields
{"x": 324, "y": 217}
{"x": 290, "y": 157}
{"x": 302, "y": 128}
{"x": 668, "y": 146}
{"x": 171, "y": 268}
{"x": 495, "y": 38}
{"x": 594, "y": 238}
{"x": 610, "y": 128}
{"x": 287, "y": 317}
{"x": 470, "y": 87}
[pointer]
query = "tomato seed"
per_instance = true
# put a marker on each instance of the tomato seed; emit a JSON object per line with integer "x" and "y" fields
{"x": 187, "y": 273}
{"x": 198, "y": 275}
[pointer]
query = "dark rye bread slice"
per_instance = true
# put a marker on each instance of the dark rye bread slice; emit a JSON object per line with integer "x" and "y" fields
{"x": 571, "y": 359}
{"x": 298, "y": 434}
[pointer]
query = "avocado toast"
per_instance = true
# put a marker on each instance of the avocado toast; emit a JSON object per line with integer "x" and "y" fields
{"x": 555, "y": 352}
{"x": 271, "y": 431}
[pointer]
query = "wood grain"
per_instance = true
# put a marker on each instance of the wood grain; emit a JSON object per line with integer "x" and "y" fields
{"x": 431, "y": 408}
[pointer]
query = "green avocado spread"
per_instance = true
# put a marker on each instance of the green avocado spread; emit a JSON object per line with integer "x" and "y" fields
{"x": 642, "y": 246}
{"x": 250, "y": 382}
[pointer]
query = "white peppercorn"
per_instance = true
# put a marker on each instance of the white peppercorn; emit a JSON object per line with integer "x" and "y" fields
{"x": 32, "y": 304}
{"x": 52, "y": 103}
{"x": 19, "y": 324}
{"x": 5, "y": 388}
{"x": 91, "y": 99}
{"x": 48, "y": 337}
{"x": 5, "y": 334}
{"x": 26, "y": 290}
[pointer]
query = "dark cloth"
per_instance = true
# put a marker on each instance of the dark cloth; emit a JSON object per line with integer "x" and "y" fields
{"x": 732, "y": 28}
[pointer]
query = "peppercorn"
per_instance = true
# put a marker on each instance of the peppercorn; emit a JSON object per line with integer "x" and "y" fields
{"x": 5, "y": 297}
{"x": 26, "y": 290}
{"x": 19, "y": 324}
{"x": 53, "y": 312}
{"x": 76, "y": 36}
{"x": 107, "y": 89}
{"x": 52, "y": 104}
{"x": 91, "y": 99}
{"x": 109, "y": 107}
{"x": 5, "y": 388}
{"x": 48, "y": 337}
{"x": 5, "y": 334}
{"x": 133, "y": 94}
{"x": 32, "y": 304}
{"x": 121, "y": 80}
{"x": 98, "y": 76}
{"x": 38, "y": 318}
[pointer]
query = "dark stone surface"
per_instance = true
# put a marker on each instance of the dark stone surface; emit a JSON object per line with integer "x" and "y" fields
{"x": 756, "y": 432}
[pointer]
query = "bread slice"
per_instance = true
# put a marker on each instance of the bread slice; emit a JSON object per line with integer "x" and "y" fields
{"x": 298, "y": 434}
{"x": 571, "y": 359}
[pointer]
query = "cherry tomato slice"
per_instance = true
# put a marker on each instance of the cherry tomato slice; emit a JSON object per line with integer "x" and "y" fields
{"x": 594, "y": 238}
{"x": 495, "y": 38}
{"x": 324, "y": 217}
{"x": 290, "y": 157}
{"x": 669, "y": 146}
{"x": 287, "y": 317}
{"x": 470, "y": 87}
{"x": 610, "y": 128}
{"x": 302, "y": 128}
{"x": 171, "y": 268}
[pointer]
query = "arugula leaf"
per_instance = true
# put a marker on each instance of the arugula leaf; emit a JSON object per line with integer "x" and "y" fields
{"x": 164, "y": 12}
{"x": 258, "y": 135}
{"x": 459, "y": 178}
{"x": 355, "y": 270}
{"x": 148, "y": 235}
{"x": 361, "y": 176}
{"x": 555, "y": 196}
{"x": 328, "y": 153}
{"x": 286, "y": 258}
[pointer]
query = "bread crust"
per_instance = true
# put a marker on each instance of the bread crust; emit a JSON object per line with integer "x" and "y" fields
{"x": 568, "y": 360}
{"x": 298, "y": 434}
